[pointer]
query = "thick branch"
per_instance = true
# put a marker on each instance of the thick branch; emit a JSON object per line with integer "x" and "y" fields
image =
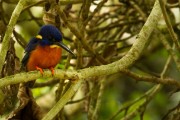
{"x": 29, "y": 76}
{"x": 81, "y": 74}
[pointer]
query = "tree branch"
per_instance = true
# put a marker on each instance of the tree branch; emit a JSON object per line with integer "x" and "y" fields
{"x": 168, "y": 23}
{"x": 9, "y": 30}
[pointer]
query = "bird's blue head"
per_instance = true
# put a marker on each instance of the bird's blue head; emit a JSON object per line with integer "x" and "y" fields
{"x": 50, "y": 35}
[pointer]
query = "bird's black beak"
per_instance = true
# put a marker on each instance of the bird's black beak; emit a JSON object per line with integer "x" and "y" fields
{"x": 61, "y": 44}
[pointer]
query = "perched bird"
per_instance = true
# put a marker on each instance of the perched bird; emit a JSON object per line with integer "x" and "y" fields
{"x": 44, "y": 50}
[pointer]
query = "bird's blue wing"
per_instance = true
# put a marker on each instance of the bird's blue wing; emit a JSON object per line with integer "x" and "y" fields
{"x": 30, "y": 47}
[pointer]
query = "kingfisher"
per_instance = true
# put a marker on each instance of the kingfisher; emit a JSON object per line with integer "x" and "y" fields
{"x": 44, "y": 51}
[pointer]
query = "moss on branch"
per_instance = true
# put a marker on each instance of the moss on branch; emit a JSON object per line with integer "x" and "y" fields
{"x": 9, "y": 30}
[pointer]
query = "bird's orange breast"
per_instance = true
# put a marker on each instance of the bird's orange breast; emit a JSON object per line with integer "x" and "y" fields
{"x": 44, "y": 57}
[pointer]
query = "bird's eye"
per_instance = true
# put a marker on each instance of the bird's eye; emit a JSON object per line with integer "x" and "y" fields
{"x": 51, "y": 38}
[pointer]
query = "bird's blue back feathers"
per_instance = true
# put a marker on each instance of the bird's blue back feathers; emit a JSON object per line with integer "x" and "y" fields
{"x": 32, "y": 44}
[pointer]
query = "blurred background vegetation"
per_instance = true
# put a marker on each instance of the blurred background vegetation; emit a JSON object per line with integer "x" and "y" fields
{"x": 109, "y": 31}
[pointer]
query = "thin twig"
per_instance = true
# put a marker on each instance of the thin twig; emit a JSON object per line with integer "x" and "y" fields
{"x": 168, "y": 23}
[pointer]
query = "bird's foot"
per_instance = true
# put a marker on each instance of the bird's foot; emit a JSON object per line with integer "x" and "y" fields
{"x": 40, "y": 70}
{"x": 52, "y": 70}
